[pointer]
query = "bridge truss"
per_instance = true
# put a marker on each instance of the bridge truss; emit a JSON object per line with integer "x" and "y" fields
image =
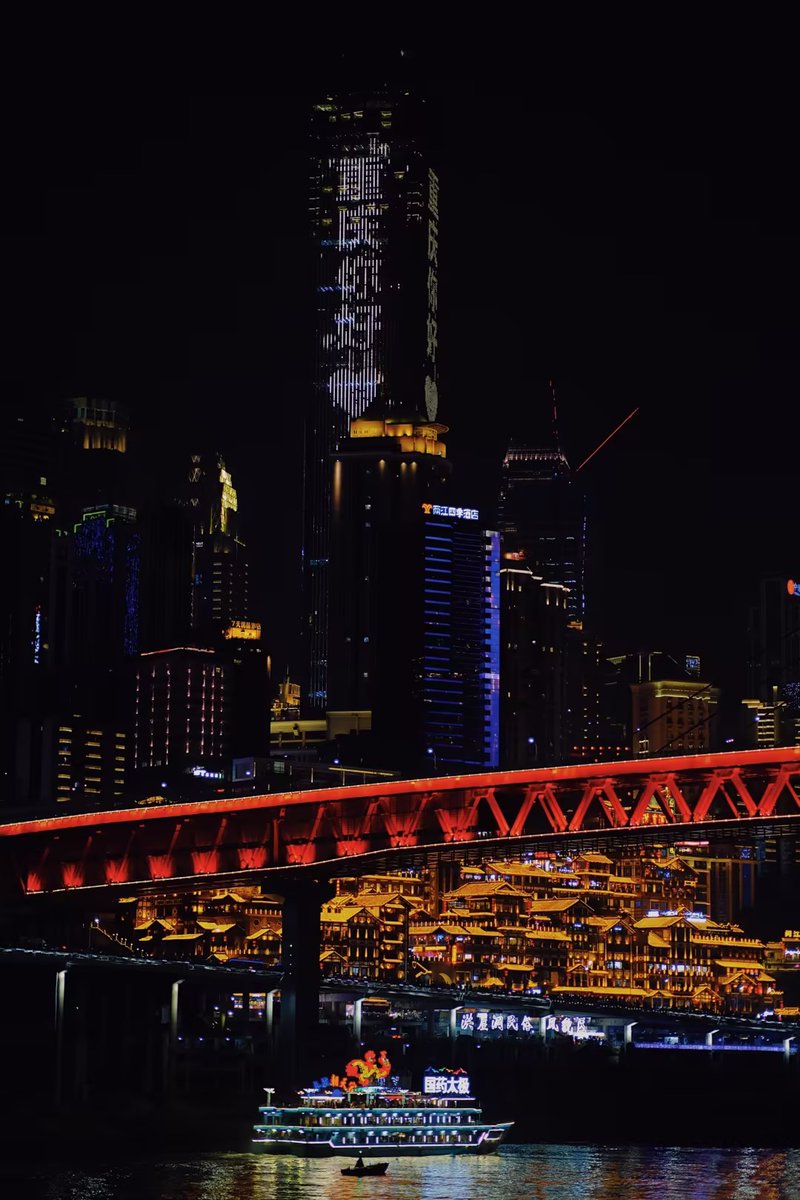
{"x": 739, "y": 795}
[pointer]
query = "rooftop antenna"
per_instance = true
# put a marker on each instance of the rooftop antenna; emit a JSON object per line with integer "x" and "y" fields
{"x": 556, "y": 443}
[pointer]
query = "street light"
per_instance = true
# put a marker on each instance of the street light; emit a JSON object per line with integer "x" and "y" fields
{"x": 432, "y": 752}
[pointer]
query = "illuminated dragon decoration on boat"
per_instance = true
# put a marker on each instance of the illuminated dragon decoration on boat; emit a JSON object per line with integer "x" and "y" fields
{"x": 359, "y": 1072}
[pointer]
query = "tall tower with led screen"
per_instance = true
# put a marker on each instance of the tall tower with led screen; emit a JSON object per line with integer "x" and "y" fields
{"x": 375, "y": 225}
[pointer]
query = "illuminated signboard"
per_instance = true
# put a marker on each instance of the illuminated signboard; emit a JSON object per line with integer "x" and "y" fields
{"x": 448, "y": 510}
{"x": 432, "y": 326}
{"x": 246, "y": 631}
{"x": 499, "y": 1022}
{"x": 445, "y": 1083}
{"x": 792, "y": 588}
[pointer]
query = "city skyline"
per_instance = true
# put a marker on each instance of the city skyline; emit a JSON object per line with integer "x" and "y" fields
{"x": 625, "y": 267}
{"x": 398, "y": 673}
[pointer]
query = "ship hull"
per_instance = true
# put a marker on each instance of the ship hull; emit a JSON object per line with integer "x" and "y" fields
{"x": 380, "y": 1152}
{"x": 486, "y": 1145}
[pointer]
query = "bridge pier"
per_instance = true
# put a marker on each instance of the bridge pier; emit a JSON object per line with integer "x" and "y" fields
{"x": 358, "y": 1007}
{"x": 270, "y": 1017}
{"x": 58, "y": 1079}
{"x": 299, "y": 1014}
{"x": 172, "y": 1037}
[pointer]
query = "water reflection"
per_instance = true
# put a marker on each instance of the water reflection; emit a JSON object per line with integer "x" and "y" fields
{"x": 517, "y": 1173}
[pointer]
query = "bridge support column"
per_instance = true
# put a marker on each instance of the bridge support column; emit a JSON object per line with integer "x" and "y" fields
{"x": 172, "y": 1036}
{"x": 299, "y": 1019}
{"x": 453, "y": 1031}
{"x": 627, "y": 1036}
{"x": 270, "y": 1016}
{"x": 358, "y": 1006}
{"x": 58, "y": 1078}
{"x": 787, "y": 1049}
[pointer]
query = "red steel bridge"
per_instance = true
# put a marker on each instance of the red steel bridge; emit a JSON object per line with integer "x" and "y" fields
{"x": 284, "y": 838}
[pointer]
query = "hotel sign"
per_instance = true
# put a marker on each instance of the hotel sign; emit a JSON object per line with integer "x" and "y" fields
{"x": 448, "y": 510}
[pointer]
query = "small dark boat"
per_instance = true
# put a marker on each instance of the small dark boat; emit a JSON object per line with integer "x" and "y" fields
{"x": 362, "y": 1168}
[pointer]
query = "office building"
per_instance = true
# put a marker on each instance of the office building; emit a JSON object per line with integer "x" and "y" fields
{"x": 542, "y": 517}
{"x": 92, "y": 763}
{"x": 616, "y": 673}
{"x": 414, "y": 611}
{"x": 673, "y": 716}
{"x": 533, "y": 664}
{"x": 94, "y": 464}
{"x": 773, "y": 664}
{"x": 27, "y": 532}
{"x": 182, "y": 713}
{"x": 220, "y": 593}
{"x": 375, "y": 228}
{"x": 542, "y": 521}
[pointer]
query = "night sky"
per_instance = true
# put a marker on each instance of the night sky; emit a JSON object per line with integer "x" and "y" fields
{"x": 634, "y": 238}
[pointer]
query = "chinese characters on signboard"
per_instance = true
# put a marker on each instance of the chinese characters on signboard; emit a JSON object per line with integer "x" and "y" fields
{"x": 445, "y": 1085}
{"x": 432, "y": 328}
{"x": 496, "y": 1022}
{"x": 445, "y": 510}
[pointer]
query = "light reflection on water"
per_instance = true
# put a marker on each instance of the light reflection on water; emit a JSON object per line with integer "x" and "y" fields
{"x": 516, "y": 1173}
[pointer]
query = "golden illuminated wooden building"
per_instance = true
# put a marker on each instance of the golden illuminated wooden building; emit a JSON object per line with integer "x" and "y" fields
{"x": 587, "y": 926}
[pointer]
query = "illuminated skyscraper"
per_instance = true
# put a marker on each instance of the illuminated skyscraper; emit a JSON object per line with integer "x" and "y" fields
{"x": 414, "y": 614}
{"x": 219, "y": 560}
{"x": 375, "y": 223}
{"x": 542, "y": 517}
{"x": 533, "y": 691}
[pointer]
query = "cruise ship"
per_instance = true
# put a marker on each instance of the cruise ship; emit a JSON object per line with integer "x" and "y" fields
{"x": 367, "y": 1113}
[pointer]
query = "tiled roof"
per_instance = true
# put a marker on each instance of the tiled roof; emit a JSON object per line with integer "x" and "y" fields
{"x": 485, "y": 889}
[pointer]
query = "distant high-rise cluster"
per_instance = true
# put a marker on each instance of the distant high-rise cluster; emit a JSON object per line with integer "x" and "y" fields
{"x": 130, "y": 663}
{"x": 439, "y": 635}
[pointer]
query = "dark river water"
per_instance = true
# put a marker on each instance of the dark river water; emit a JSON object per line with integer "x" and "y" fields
{"x": 531, "y": 1172}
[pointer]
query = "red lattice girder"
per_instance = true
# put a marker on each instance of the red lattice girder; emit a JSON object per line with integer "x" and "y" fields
{"x": 250, "y": 833}
{"x": 772, "y": 792}
{"x": 403, "y": 827}
{"x": 161, "y": 866}
{"x": 552, "y": 809}
{"x": 74, "y": 874}
{"x": 205, "y": 862}
{"x": 612, "y": 809}
{"x": 300, "y": 854}
{"x": 549, "y": 805}
{"x": 750, "y": 806}
{"x": 174, "y": 837}
{"x": 614, "y": 804}
{"x": 116, "y": 870}
{"x": 518, "y": 824}
{"x": 251, "y": 858}
{"x": 661, "y": 790}
{"x": 715, "y": 785}
{"x": 647, "y": 794}
{"x": 503, "y": 826}
{"x": 297, "y": 835}
{"x": 684, "y": 811}
{"x": 347, "y": 847}
{"x": 458, "y": 824}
